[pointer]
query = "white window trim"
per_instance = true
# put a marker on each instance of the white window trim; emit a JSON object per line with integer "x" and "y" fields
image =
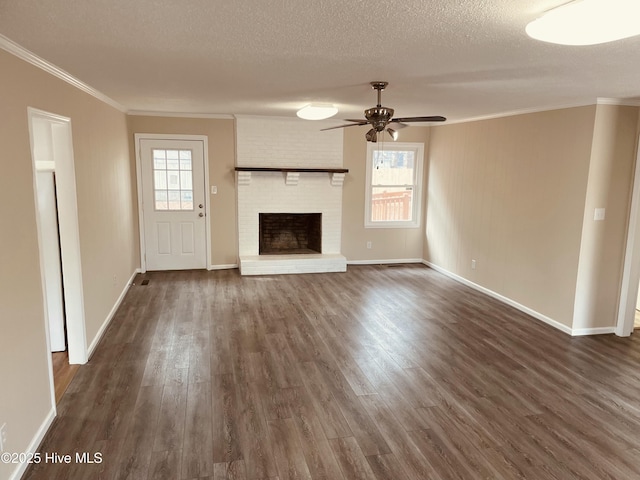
{"x": 417, "y": 203}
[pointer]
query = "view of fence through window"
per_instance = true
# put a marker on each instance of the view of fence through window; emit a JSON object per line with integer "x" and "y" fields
{"x": 393, "y": 185}
{"x": 172, "y": 179}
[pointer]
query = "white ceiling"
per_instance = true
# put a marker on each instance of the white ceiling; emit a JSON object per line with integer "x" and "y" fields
{"x": 462, "y": 59}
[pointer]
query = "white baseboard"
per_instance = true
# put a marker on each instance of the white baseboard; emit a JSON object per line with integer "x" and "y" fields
{"x": 113, "y": 311}
{"x": 537, "y": 315}
{"x": 35, "y": 443}
{"x": 223, "y": 267}
{"x": 384, "y": 262}
{"x": 580, "y": 332}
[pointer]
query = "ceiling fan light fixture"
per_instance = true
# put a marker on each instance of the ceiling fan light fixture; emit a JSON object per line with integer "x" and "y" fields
{"x": 317, "y": 111}
{"x": 587, "y": 22}
{"x": 379, "y": 117}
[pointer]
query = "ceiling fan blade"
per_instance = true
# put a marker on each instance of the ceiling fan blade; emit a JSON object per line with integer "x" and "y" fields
{"x": 435, "y": 118}
{"x": 364, "y": 122}
{"x": 359, "y": 120}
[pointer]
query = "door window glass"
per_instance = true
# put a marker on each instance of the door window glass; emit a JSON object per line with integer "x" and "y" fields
{"x": 172, "y": 179}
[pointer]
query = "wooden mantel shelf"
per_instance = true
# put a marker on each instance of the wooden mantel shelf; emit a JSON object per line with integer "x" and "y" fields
{"x": 292, "y": 174}
{"x": 292, "y": 169}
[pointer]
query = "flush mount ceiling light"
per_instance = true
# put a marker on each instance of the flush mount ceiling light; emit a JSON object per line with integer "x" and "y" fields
{"x": 587, "y": 22}
{"x": 316, "y": 111}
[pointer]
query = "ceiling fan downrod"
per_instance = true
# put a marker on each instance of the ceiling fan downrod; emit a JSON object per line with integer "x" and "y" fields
{"x": 378, "y": 116}
{"x": 379, "y": 86}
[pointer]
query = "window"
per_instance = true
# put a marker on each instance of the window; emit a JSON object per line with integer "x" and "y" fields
{"x": 172, "y": 179}
{"x": 394, "y": 177}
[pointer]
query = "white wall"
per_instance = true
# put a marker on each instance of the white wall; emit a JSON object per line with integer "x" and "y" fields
{"x": 286, "y": 142}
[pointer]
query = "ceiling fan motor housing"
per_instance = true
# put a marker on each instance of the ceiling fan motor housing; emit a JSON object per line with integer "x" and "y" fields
{"x": 379, "y": 117}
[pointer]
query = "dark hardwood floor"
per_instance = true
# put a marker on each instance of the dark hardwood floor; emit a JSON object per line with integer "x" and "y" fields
{"x": 63, "y": 373}
{"x": 375, "y": 374}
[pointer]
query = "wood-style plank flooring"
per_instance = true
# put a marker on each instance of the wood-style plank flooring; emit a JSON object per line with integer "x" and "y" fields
{"x": 63, "y": 373}
{"x": 380, "y": 373}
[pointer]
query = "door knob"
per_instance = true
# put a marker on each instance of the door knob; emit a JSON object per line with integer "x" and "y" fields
{"x": 201, "y": 214}
{"x": 200, "y": 206}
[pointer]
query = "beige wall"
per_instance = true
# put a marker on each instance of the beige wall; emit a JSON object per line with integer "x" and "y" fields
{"x": 221, "y": 139}
{"x": 387, "y": 243}
{"x": 510, "y": 193}
{"x": 105, "y": 205}
{"x": 603, "y": 242}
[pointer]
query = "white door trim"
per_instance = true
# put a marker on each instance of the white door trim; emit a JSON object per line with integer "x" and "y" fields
{"x": 631, "y": 269}
{"x": 63, "y": 162}
{"x": 207, "y": 198}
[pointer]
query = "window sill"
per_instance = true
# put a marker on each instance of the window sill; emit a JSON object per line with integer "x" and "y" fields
{"x": 391, "y": 225}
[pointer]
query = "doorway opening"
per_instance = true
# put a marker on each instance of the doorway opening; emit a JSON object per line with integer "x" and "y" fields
{"x": 629, "y": 291}
{"x": 636, "y": 317}
{"x": 58, "y": 239}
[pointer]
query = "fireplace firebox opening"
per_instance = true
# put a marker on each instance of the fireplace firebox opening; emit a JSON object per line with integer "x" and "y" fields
{"x": 290, "y": 233}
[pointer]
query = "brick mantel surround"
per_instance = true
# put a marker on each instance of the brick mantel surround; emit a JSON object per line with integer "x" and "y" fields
{"x": 288, "y": 143}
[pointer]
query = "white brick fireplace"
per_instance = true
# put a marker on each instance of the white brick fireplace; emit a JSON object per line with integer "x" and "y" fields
{"x": 288, "y": 144}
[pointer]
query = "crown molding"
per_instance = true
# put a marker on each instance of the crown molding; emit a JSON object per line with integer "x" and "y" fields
{"x": 624, "y": 102}
{"x": 149, "y": 113}
{"x": 13, "y": 48}
{"x": 273, "y": 117}
{"x": 629, "y": 102}
{"x": 513, "y": 113}
{"x": 327, "y": 122}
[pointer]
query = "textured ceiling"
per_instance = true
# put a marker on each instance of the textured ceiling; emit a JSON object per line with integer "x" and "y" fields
{"x": 462, "y": 59}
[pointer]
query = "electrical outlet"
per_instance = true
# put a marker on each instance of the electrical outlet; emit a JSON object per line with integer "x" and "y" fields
{"x": 473, "y": 264}
{"x": 3, "y": 436}
{"x": 369, "y": 244}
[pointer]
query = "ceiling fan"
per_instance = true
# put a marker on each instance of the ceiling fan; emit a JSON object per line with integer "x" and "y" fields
{"x": 379, "y": 117}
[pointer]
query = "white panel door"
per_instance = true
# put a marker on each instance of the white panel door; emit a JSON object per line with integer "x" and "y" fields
{"x": 173, "y": 203}
{"x": 48, "y": 211}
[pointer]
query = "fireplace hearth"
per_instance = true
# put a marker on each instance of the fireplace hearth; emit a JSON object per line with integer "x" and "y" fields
{"x": 290, "y": 233}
